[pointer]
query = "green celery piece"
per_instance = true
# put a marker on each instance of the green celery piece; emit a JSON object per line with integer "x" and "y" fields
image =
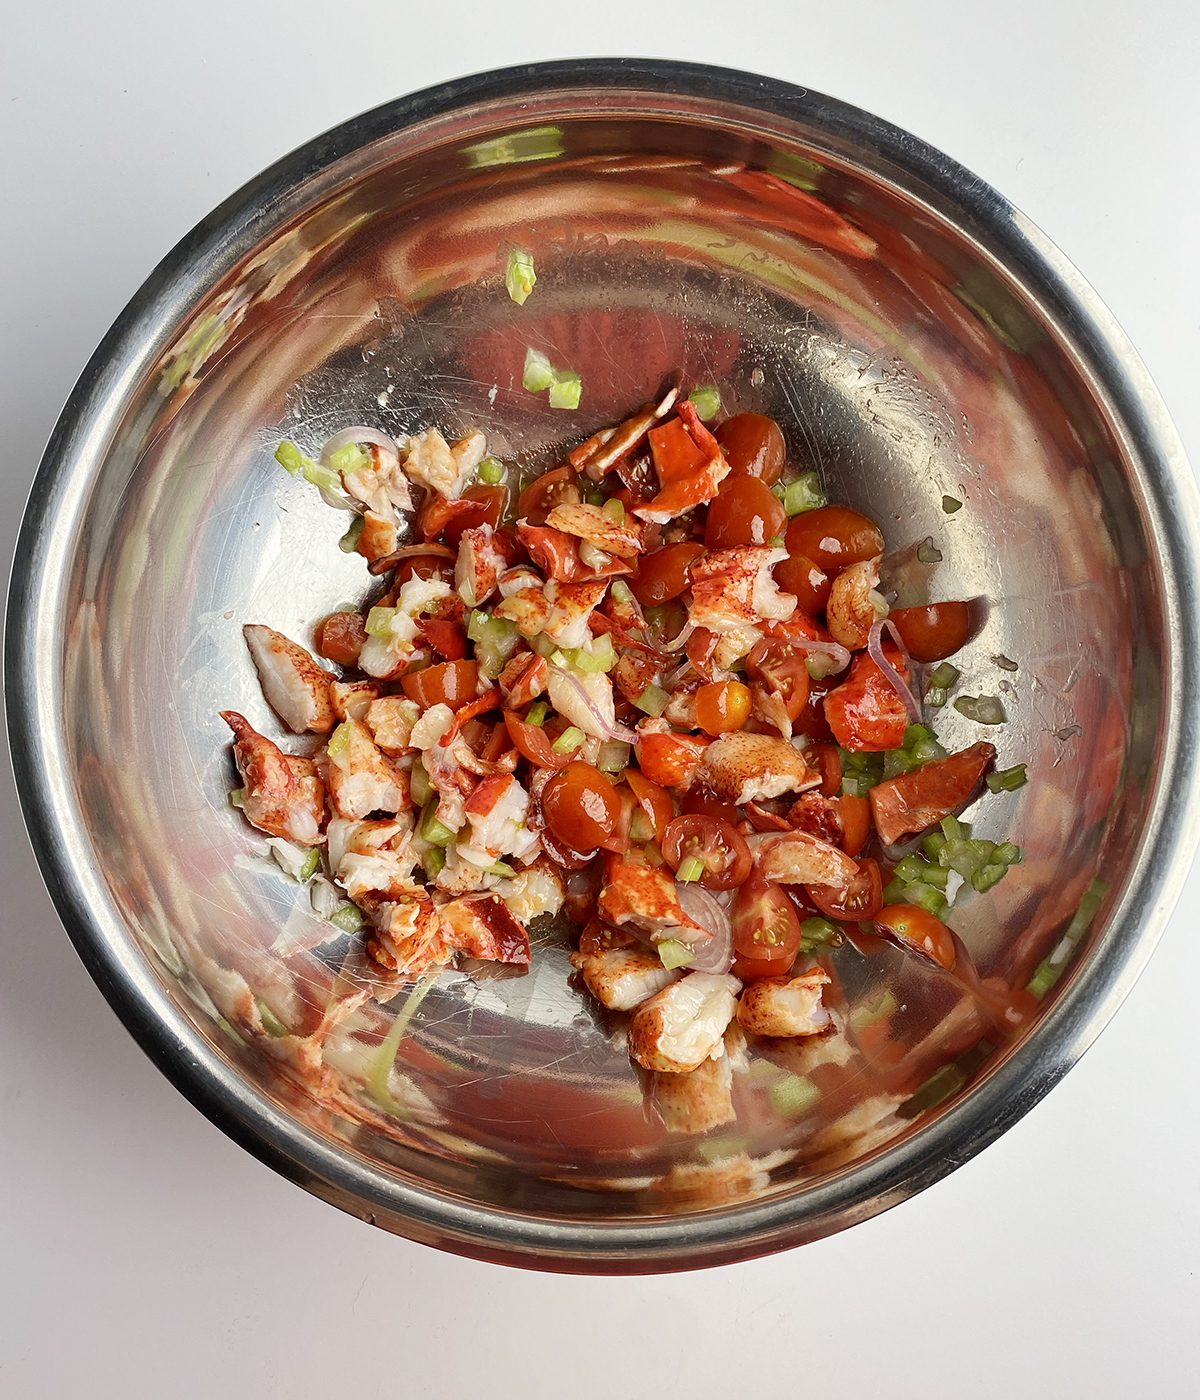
{"x": 491, "y": 471}
{"x": 895, "y": 892}
{"x": 566, "y": 390}
{"x": 270, "y": 1022}
{"x": 706, "y": 400}
{"x": 1008, "y": 779}
{"x": 1007, "y": 854}
{"x": 348, "y": 543}
{"x": 419, "y": 786}
{"x": 349, "y": 458}
{"x": 348, "y": 917}
{"x": 936, "y": 696}
{"x": 935, "y": 1090}
{"x": 896, "y": 762}
{"x": 983, "y": 709}
{"x": 432, "y": 830}
{"x": 987, "y": 876}
{"x": 380, "y": 1069}
{"x": 803, "y": 494}
{"x": 933, "y": 843}
{"x": 673, "y": 953}
{"x": 309, "y": 868}
{"x": 536, "y": 714}
{"x": 950, "y": 504}
{"x": 290, "y": 458}
{"x": 927, "y": 897}
{"x": 945, "y": 675}
{"x": 653, "y": 700}
{"x": 538, "y": 373}
{"x": 520, "y": 277}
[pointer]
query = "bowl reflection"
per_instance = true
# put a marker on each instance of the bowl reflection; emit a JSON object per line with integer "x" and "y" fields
{"x": 914, "y": 338}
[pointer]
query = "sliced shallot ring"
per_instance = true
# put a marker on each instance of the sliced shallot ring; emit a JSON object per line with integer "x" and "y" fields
{"x": 716, "y": 953}
{"x": 610, "y": 731}
{"x": 890, "y": 674}
{"x": 409, "y": 551}
{"x": 358, "y": 434}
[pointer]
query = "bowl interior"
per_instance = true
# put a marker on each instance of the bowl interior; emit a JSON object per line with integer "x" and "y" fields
{"x": 809, "y": 281}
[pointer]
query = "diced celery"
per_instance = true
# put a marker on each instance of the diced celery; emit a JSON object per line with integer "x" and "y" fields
{"x": 538, "y": 373}
{"x": 433, "y": 860}
{"x": 950, "y": 504}
{"x": 944, "y": 675}
{"x": 537, "y": 712}
{"x": 1008, "y": 779}
{"x": 914, "y": 734}
{"x": 491, "y": 471}
{"x": 706, "y": 400}
{"x": 432, "y": 830}
{"x": 1007, "y": 854}
{"x": 614, "y": 757}
{"x": 818, "y": 933}
{"x": 983, "y": 709}
{"x": 959, "y": 855}
{"x": 935, "y": 696}
{"x": 499, "y": 867}
{"x": 982, "y": 848}
{"x": 803, "y": 494}
{"x": 933, "y": 843}
{"x": 237, "y": 798}
{"x": 818, "y": 664}
{"x": 520, "y": 277}
{"x": 349, "y": 458}
{"x": 270, "y": 1022}
{"x": 349, "y": 541}
{"x": 776, "y": 541}
{"x": 615, "y": 510}
{"x": 641, "y": 828}
{"x": 338, "y": 740}
{"x": 559, "y": 658}
{"x": 987, "y": 876}
{"x": 379, "y": 622}
{"x": 419, "y": 787}
{"x": 895, "y": 762}
{"x": 895, "y": 892}
{"x": 569, "y": 739}
{"x": 927, "y": 551}
{"x": 690, "y": 868}
{"x": 594, "y": 497}
{"x": 495, "y": 641}
{"x": 621, "y": 591}
{"x": 926, "y": 751}
{"x": 566, "y": 390}
{"x": 653, "y": 700}
{"x": 672, "y": 953}
{"x": 911, "y": 868}
{"x": 318, "y": 475}
{"x": 935, "y": 1090}
{"x": 927, "y": 897}
{"x": 290, "y": 458}
{"x": 793, "y": 1096}
{"x": 309, "y": 868}
{"x": 952, "y": 829}
{"x": 849, "y": 787}
{"x": 348, "y": 918}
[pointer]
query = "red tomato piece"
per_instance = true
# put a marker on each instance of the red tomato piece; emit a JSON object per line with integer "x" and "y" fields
{"x": 766, "y": 930}
{"x": 452, "y": 683}
{"x": 744, "y": 512}
{"x": 811, "y": 584}
{"x": 833, "y": 537}
{"x": 904, "y": 805}
{"x": 825, "y": 757}
{"x": 532, "y": 742}
{"x": 861, "y": 899}
{"x": 653, "y": 800}
{"x": 717, "y": 845}
{"x": 446, "y": 638}
{"x": 445, "y": 520}
{"x": 855, "y": 813}
{"x": 701, "y": 803}
{"x": 933, "y": 632}
{"x": 580, "y": 806}
{"x": 780, "y": 667}
{"x": 864, "y": 712}
{"x": 341, "y": 637}
{"x": 753, "y": 446}
{"x": 722, "y": 707}
{"x": 664, "y": 575}
{"x": 916, "y": 930}
{"x": 559, "y": 487}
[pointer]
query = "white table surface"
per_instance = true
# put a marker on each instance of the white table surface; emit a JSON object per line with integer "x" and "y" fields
{"x": 143, "y": 1254}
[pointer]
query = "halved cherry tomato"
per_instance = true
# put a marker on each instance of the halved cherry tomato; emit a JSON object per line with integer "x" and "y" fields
{"x": 861, "y": 899}
{"x": 753, "y": 446}
{"x": 834, "y": 536}
{"x": 447, "y": 638}
{"x": 811, "y": 584}
{"x": 916, "y": 930}
{"x": 452, "y": 683}
{"x": 670, "y": 760}
{"x": 720, "y": 848}
{"x": 581, "y": 806}
{"x": 722, "y": 707}
{"x": 559, "y": 487}
{"x": 933, "y": 632}
{"x": 766, "y": 930}
{"x": 811, "y": 719}
{"x": 663, "y": 575}
{"x": 855, "y": 813}
{"x": 825, "y": 757}
{"x": 445, "y": 520}
{"x": 532, "y": 742}
{"x": 423, "y": 566}
{"x": 653, "y": 800}
{"x": 341, "y": 637}
{"x": 779, "y": 666}
{"x": 744, "y": 512}
{"x": 701, "y": 803}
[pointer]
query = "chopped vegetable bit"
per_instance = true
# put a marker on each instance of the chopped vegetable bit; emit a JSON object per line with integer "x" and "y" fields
{"x": 569, "y": 739}
{"x": 1053, "y": 967}
{"x": 290, "y": 458}
{"x": 614, "y": 756}
{"x": 927, "y": 551}
{"x": 819, "y": 933}
{"x": 690, "y": 868}
{"x": 674, "y": 954}
{"x": 491, "y": 471}
{"x": 653, "y": 700}
{"x": 348, "y": 918}
{"x": 707, "y": 401}
{"x": 566, "y": 389}
{"x": 520, "y": 276}
{"x": 793, "y": 1096}
{"x": 348, "y": 544}
{"x": 379, "y": 622}
{"x": 537, "y": 713}
{"x": 983, "y": 709}
{"x": 803, "y": 494}
{"x": 538, "y": 373}
{"x": 237, "y": 797}
{"x": 1008, "y": 779}
{"x": 950, "y": 504}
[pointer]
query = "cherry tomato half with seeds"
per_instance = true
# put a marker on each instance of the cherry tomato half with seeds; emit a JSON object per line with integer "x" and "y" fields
{"x": 580, "y": 806}
{"x": 532, "y": 742}
{"x": 766, "y": 930}
{"x": 722, "y": 706}
{"x": 718, "y": 846}
{"x": 452, "y": 683}
{"x": 933, "y": 632}
{"x": 781, "y": 667}
{"x": 664, "y": 575}
{"x": 834, "y": 536}
{"x": 559, "y": 487}
{"x": 916, "y": 930}
{"x": 753, "y": 446}
{"x": 744, "y": 512}
{"x": 861, "y": 899}
{"x": 445, "y": 521}
{"x": 699, "y": 802}
{"x": 653, "y": 800}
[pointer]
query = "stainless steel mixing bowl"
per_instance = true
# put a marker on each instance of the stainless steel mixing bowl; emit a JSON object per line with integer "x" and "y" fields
{"x": 916, "y": 338}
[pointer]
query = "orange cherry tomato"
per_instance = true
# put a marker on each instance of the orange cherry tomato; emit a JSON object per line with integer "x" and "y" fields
{"x": 701, "y": 803}
{"x": 445, "y": 520}
{"x": 916, "y": 930}
{"x": 933, "y": 632}
{"x": 779, "y": 666}
{"x": 719, "y": 847}
{"x": 861, "y": 899}
{"x": 744, "y": 512}
{"x": 653, "y": 800}
{"x": 753, "y": 446}
{"x": 799, "y": 575}
{"x": 670, "y": 760}
{"x": 855, "y": 813}
{"x": 663, "y": 575}
{"x": 452, "y": 683}
{"x": 766, "y": 930}
{"x": 825, "y": 757}
{"x": 532, "y": 742}
{"x": 722, "y": 706}
{"x": 834, "y": 536}
{"x": 341, "y": 637}
{"x": 581, "y": 807}
{"x": 559, "y": 487}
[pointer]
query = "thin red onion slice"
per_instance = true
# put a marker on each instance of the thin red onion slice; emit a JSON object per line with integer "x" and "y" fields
{"x": 357, "y": 434}
{"x": 670, "y": 648}
{"x": 715, "y": 954}
{"x": 834, "y": 650}
{"x": 890, "y": 674}
{"x": 609, "y": 729}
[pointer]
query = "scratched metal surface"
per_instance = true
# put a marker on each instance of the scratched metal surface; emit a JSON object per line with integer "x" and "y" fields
{"x": 901, "y": 375}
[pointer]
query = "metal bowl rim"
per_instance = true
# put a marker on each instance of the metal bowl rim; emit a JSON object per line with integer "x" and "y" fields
{"x": 630, "y": 1245}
